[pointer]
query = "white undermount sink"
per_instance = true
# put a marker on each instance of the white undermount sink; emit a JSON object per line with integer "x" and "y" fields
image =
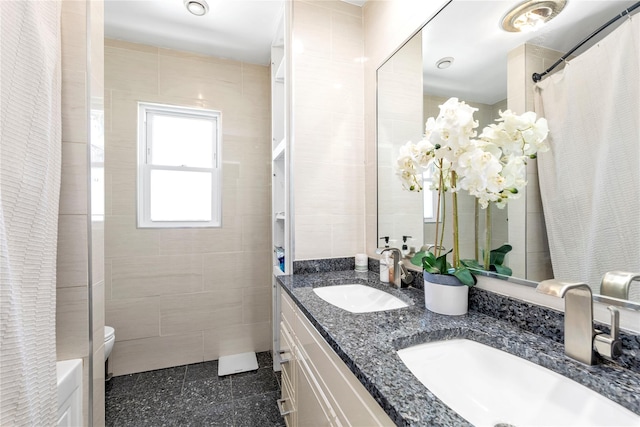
{"x": 489, "y": 387}
{"x": 359, "y": 298}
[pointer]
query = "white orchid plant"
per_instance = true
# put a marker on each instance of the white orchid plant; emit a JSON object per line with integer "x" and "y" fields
{"x": 491, "y": 167}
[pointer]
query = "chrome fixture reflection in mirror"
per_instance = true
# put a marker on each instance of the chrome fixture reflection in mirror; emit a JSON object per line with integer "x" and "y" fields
{"x": 532, "y": 15}
{"x": 479, "y": 76}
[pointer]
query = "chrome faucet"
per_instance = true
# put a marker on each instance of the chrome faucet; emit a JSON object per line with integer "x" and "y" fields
{"x": 616, "y": 284}
{"x": 397, "y": 256}
{"x": 581, "y": 340}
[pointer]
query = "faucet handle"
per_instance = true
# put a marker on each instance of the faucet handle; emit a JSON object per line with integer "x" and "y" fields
{"x": 559, "y": 288}
{"x": 610, "y": 346}
{"x": 615, "y": 322}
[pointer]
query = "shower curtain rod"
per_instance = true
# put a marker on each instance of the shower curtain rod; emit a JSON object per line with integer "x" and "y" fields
{"x": 538, "y": 76}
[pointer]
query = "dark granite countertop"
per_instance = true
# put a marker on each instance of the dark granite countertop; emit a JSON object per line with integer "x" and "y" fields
{"x": 367, "y": 343}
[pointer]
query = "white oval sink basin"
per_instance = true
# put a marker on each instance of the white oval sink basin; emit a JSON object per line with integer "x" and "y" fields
{"x": 359, "y": 298}
{"x": 489, "y": 387}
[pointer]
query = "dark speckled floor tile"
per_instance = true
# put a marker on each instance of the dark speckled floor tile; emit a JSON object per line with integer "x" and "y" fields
{"x": 220, "y": 414}
{"x": 149, "y": 408}
{"x": 202, "y": 371}
{"x": 194, "y": 395}
{"x": 259, "y": 410}
{"x": 206, "y": 392}
{"x": 264, "y": 359}
{"x": 121, "y": 385}
{"x": 162, "y": 379}
{"x": 261, "y": 381}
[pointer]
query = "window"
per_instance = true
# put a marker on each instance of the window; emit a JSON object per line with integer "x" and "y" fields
{"x": 430, "y": 196}
{"x": 179, "y": 172}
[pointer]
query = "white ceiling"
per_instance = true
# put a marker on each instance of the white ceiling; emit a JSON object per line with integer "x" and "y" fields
{"x": 470, "y": 32}
{"x": 235, "y": 29}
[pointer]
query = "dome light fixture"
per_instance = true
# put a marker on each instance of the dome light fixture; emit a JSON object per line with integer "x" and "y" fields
{"x": 531, "y": 15}
{"x": 197, "y": 7}
{"x": 445, "y": 62}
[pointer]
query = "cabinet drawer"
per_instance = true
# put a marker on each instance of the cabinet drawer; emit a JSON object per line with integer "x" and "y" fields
{"x": 287, "y": 354}
{"x": 288, "y": 310}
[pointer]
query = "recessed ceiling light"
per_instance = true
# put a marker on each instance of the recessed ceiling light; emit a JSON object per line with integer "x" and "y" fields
{"x": 531, "y": 15}
{"x": 444, "y": 62}
{"x": 197, "y": 7}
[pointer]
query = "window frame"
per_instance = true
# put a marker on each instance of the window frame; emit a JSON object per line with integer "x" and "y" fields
{"x": 144, "y": 165}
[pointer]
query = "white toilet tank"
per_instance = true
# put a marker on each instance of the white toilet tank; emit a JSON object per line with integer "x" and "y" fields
{"x": 69, "y": 393}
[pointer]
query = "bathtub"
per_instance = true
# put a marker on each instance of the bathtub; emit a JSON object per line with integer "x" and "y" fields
{"x": 69, "y": 393}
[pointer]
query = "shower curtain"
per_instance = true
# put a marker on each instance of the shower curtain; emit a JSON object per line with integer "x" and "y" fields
{"x": 30, "y": 151}
{"x": 590, "y": 179}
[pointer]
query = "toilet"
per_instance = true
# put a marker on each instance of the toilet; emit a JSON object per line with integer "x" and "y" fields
{"x": 109, "y": 339}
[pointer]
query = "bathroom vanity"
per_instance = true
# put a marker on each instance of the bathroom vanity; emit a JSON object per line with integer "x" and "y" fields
{"x": 317, "y": 387}
{"x": 343, "y": 368}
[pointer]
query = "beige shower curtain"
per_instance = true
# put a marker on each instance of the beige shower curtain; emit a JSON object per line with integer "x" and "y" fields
{"x": 29, "y": 191}
{"x": 590, "y": 179}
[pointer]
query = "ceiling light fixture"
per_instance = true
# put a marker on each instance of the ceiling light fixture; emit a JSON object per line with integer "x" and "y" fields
{"x": 531, "y": 15}
{"x": 197, "y": 7}
{"x": 444, "y": 62}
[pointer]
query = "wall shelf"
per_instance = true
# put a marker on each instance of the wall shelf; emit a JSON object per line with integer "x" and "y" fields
{"x": 278, "y": 152}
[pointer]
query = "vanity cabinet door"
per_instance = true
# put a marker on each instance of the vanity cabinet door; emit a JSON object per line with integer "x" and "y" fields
{"x": 313, "y": 409}
{"x": 287, "y": 403}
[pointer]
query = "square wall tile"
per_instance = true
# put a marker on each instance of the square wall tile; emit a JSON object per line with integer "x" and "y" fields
{"x": 136, "y": 277}
{"x": 237, "y": 339}
{"x": 73, "y": 258}
{"x": 156, "y": 353}
{"x": 130, "y": 70}
{"x": 72, "y": 320}
{"x": 134, "y": 318}
{"x": 73, "y": 185}
{"x": 200, "y": 312}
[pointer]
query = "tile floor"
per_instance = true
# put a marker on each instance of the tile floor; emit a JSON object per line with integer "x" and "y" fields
{"x": 194, "y": 395}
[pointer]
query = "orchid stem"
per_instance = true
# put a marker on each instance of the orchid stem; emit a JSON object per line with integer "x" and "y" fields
{"x": 487, "y": 243}
{"x": 454, "y": 208}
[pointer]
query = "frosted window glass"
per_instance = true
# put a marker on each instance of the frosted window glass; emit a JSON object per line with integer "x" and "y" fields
{"x": 182, "y": 141}
{"x": 430, "y": 196}
{"x": 429, "y": 209}
{"x": 172, "y": 196}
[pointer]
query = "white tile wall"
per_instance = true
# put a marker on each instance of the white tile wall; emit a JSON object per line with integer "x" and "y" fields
{"x": 328, "y": 139}
{"x": 172, "y": 295}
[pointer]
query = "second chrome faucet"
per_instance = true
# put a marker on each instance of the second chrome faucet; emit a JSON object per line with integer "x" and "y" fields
{"x": 581, "y": 340}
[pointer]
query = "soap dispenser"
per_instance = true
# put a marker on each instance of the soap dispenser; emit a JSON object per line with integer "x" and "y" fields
{"x": 405, "y": 247}
{"x": 385, "y": 262}
{"x": 386, "y": 241}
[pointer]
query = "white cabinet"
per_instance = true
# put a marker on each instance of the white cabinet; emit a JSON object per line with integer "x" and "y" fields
{"x": 318, "y": 389}
{"x": 280, "y": 146}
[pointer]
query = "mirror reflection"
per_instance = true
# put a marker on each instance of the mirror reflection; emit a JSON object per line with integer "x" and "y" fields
{"x": 427, "y": 71}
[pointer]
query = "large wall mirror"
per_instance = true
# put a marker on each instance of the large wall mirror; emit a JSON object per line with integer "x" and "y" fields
{"x": 415, "y": 80}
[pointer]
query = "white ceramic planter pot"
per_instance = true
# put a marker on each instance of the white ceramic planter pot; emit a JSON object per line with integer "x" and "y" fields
{"x": 444, "y": 294}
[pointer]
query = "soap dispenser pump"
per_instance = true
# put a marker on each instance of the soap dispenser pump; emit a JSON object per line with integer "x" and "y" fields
{"x": 386, "y": 241}
{"x": 405, "y": 247}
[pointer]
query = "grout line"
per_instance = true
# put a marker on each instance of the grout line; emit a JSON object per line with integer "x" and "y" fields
{"x": 184, "y": 379}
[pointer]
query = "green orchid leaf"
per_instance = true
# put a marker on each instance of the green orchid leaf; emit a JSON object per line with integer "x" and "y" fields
{"x": 464, "y": 275}
{"x": 417, "y": 258}
{"x": 472, "y": 263}
{"x": 429, "y": 263}
{"x": 441, "y": 262}
{"x": 501, "y": 269}
{"x": 496, "y": 256}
